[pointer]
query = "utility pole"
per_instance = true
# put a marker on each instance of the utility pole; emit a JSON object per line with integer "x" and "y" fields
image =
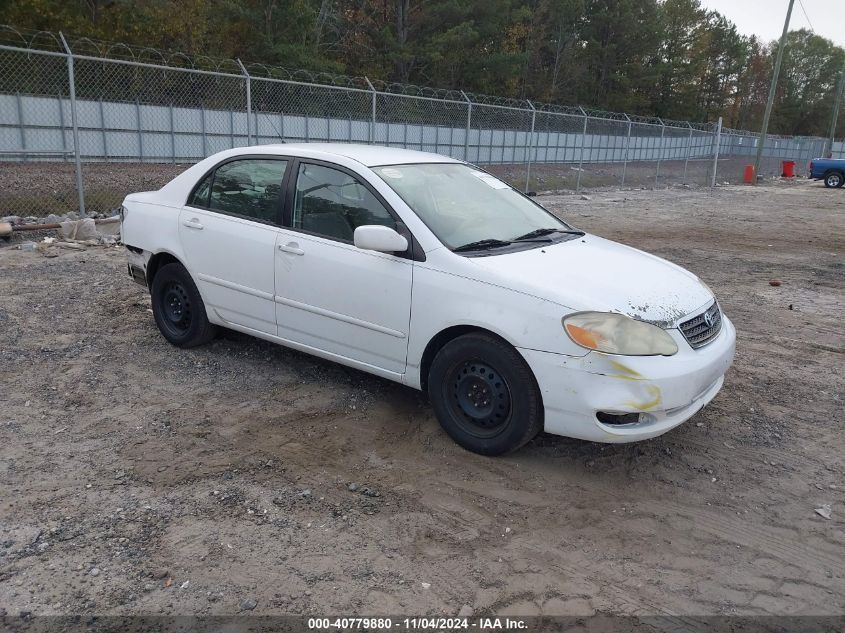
{"x": 772, "y": 90}
{"x": 838, "y": 102}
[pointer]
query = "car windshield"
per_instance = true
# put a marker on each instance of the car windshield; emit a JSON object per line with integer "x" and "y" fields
{"x": 463, "y": 206}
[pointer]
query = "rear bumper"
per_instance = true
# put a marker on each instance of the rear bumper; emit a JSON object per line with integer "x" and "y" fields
{"x": 137, "y": 265}
{"x": 665, "y": 391}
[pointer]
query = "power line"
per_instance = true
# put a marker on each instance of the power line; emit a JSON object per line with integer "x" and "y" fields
{"x": 801, "y": 3}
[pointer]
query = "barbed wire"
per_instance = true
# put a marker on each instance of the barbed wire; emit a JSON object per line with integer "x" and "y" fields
{"x": 122, "y": 52}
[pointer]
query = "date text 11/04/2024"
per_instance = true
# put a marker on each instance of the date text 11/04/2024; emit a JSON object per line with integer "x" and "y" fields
{"x": 419, "y": 624}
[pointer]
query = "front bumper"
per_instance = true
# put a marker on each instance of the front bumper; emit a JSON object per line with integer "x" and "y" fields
{"x": 665, "y": 390}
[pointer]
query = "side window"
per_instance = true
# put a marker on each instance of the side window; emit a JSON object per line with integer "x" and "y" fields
{"x": 200, "y": 196}
{"x": 249, "y": 187}
{"x": 331, "y": 203}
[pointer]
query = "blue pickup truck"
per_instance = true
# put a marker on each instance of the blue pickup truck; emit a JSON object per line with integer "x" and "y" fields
{"x": 831, "y": 170}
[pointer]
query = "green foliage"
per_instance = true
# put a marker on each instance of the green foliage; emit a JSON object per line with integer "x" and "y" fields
{"x": 667, "y": 58}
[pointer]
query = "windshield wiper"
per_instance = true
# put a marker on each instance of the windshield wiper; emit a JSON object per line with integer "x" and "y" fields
{"x": 480, "y": 245}
{"x": 543, "y": 232}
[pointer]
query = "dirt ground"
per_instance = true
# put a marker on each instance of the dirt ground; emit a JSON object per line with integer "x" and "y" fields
{"x": 139, "y": 478}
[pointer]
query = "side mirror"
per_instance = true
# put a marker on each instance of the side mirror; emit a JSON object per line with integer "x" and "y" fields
{"x": 374, "y": 237}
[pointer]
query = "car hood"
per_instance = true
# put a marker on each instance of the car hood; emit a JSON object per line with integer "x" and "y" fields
{"x": 592, "y": 273}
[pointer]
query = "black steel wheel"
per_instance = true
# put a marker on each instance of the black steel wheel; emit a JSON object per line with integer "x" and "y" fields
{"x": 484, "y": 394}
{"x": 481, "y": 399}
{"x": 178, "y": 308}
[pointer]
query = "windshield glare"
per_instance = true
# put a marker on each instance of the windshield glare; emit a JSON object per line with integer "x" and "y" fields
{"x": 462, "y": 205}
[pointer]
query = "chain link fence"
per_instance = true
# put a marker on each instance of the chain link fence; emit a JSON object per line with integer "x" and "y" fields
{"x": 83, "y": 123}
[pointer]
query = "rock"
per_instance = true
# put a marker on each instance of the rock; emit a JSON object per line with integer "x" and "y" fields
{"x": 466, "y": 611}
{"x": 214, "y": 597}
{"x": 248, "y": 605}
{"x": 585, "y": 197}
{"x": 305, "y": 493}
{"x": 775, "y": 282}
{"x": 426, "y": 585}
{"x": 824, "y": 511}
{"x": 149, "y": 587}
{"x": 159, "y": 574}
{"x": 94, "y": 571}
{"x": 352, "y": 487}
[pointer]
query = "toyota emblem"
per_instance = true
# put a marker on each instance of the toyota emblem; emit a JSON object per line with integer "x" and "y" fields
{"x": 708, "y": 319}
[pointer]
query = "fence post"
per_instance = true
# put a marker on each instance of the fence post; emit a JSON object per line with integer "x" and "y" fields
{"x": 468, "y": 127}
{"x": 73, "y": 121}
{"x": 718, "y": 140}
{"x": 248, "y": 102}
{"x": 581, "y": 153}
{"x": 530, "y": 143}
{"x": 689, "y": 151}
{"x": 372, "y": 134}
{"x": 659, "y": 152}
{"x": 627, "y": 146}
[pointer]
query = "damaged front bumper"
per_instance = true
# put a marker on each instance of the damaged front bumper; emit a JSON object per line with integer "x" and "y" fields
{"x": 646, "y": 395}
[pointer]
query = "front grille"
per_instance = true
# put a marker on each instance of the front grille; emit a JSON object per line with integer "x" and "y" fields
{"x": 698, "y": 332}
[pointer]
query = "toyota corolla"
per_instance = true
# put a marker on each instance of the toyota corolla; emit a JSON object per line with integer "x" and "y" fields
{"x": 431, "y": 272}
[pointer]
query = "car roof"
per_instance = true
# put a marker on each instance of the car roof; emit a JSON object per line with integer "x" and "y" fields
{"x": 369, "y": 155}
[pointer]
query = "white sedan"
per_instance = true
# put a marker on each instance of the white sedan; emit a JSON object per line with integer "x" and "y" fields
{"x": 433, "y": 273}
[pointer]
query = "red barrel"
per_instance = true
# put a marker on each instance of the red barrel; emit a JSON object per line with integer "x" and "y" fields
{"x": 788, "y": 169}
{"x": 748, "y": 178}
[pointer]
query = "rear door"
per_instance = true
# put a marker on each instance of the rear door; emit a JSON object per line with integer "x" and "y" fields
{"x": 228, "y": 231}
{"x": 331, "y": 295}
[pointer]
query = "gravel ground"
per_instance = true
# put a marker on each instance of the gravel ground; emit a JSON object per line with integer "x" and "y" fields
{"x": 139, "y": 478}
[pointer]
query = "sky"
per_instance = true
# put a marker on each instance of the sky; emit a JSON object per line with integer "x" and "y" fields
{"x": 764, "y": 18}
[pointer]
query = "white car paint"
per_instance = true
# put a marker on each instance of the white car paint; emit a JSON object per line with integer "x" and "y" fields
{"x": 378, "y": 312}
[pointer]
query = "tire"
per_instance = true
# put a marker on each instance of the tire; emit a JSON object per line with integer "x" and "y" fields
{"x": 834, "y": 179}
{"x": 178, "y": 308}
{"x": 484, "y": 395}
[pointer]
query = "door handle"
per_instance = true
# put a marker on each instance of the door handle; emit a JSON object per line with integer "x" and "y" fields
{"x": 292, "y": 248}
{"x": 193, "y": 223}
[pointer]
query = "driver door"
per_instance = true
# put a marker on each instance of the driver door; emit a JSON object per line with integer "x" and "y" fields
{"x": 330, "y": 295}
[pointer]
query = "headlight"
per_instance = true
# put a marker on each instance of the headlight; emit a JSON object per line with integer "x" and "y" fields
{"x": 618, "y": 334}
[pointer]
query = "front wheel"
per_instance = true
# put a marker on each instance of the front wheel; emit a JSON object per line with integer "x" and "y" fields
{"x": 178, "y": 308}
{"x": 484, "y": 395}
{"x": 833, "y": 180}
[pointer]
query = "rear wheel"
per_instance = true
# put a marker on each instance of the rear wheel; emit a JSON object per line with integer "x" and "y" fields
{"x": 178, "y": 308}
{"x": 484, "y": 395}
{"x": 834, "y": 179}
